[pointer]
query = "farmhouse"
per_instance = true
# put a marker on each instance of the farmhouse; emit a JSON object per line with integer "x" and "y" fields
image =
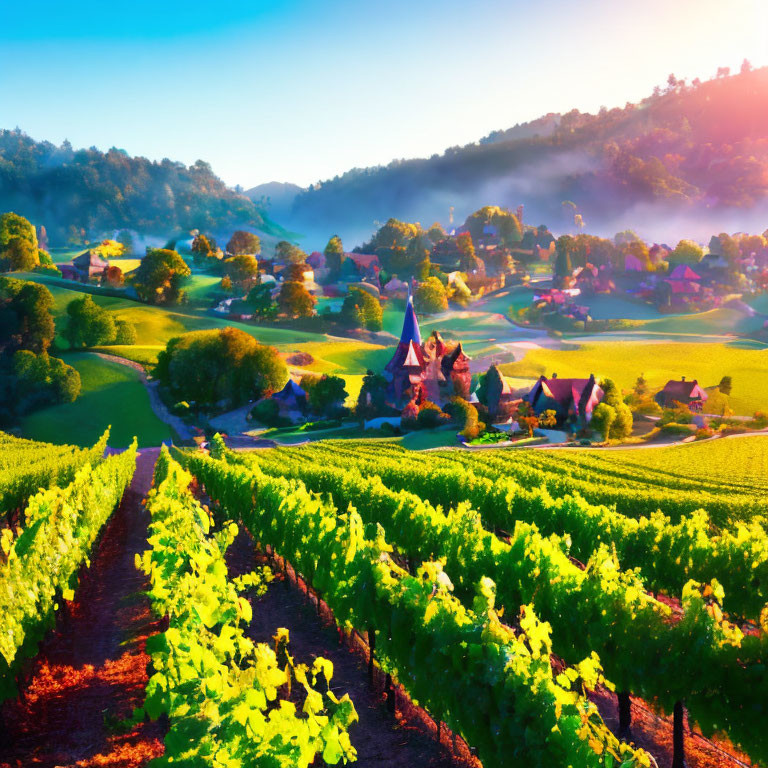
{"x": 688, "y": 393}
{"x": 570, "y": 399}
{"x": 85, "y": 266}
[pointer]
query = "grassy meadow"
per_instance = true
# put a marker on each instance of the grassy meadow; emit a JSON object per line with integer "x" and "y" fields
{"x": 111, "y": 394}
{"x": 624, "y": 361}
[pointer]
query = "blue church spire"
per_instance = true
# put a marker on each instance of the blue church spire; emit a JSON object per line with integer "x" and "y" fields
{"x": 410, "y": 325}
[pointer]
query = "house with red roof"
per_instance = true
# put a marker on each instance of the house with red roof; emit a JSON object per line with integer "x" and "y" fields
{"x": 689, "y": 393}
{"x": 573, "y": 400}
{"x": 360, "y": 266}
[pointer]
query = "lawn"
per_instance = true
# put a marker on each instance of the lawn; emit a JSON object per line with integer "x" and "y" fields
{"x": 111, "y": 394}
{"x": 624, "y": 361}
{"x": 345, "y": 356}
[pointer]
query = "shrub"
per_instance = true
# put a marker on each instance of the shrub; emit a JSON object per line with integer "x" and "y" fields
{"x": 430, "y": 416}
{"x": 267, "y": 412}
{"x": 125, "y": 333}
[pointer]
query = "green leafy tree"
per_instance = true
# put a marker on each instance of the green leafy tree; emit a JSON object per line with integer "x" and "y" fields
{"x": 288, "y": 253}
{"x": 242, "y": 270}
{"x": 125, "y": 333}
{"x": 506, "y": 223}
{"x": 603, "y": 418}
{"x": 565, "y": 246}
{"x": 622, "y": 423}
{"x": 361, "y": 310}
{"x": 295, "y": 300}
{"x": 326, "y": 394}
{"x": 260, "y": 301}
{"x": 161, "y": 276}
{"x": 436, "y": 233}
{"x": 430, "y": 297}
{"x": 26, "y": 321}
{"x": 42, "y": 379}
{"x": 334, "y": 255}
{"x": 394, "y": 233}
{"x": 725, "y": 385}
{"x": 467, "y": 258}
{"x": 224, "y": 365}
{"x": 416, "y": 253}
{"x": 88, "y": 324}
{"x": 372, "y": 400}
{"x": 686, "y": 252}
{"x": 242, "y": 243}
{"x": 19, "y": 255}
{"x": 12, "y": 225}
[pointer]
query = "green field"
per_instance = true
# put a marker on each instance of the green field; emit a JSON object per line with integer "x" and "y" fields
{"x": 624, "y": 361}
{"x": 741, "y": 460}
{"x": 111, "y": 394}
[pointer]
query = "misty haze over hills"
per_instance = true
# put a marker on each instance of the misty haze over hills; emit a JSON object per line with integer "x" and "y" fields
{"x": 690, "y": 160}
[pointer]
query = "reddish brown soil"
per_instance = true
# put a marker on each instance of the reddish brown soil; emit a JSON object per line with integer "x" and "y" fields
{"x": 91, "y": 671}
{"x": 384, "y": 740}
{"x": 654, "y": 734}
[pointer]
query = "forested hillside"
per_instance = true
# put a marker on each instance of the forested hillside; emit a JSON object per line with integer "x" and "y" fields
{"x": 84, "y": 194}
{"x": 688, "y": 148}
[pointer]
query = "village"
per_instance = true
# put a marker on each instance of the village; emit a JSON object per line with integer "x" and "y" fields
{"x": 431, "y": 382}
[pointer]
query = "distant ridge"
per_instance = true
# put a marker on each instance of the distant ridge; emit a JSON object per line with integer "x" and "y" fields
{"x": 689, "y": 154}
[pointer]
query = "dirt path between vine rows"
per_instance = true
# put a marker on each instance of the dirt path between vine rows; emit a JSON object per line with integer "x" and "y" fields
{"x": 91, "y": 672}
{"x": 381, "y": 739}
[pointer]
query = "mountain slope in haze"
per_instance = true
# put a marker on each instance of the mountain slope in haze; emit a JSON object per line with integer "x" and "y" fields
{"x": 275, "y": 197}
{"x": 693, "y": 154}
{"x": 85, "y": 194}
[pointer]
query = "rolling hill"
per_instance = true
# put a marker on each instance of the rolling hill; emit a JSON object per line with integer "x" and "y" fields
{"x": 695, "y": 154}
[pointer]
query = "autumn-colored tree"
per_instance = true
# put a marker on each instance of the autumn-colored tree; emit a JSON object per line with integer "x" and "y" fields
{"x": 242, "y": 270}
{"x": 295, "y": 300}
{"x": 639, "y": 250}
{"x": 295, "y": 271}
{"x": 242, "y": 243}
{"x": 526, "y": 418}
{"x": 113, "y": 276}
{"x": 109, "y": 249}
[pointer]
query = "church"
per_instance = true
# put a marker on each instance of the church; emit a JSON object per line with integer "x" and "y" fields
{"x": 430, "y": 370}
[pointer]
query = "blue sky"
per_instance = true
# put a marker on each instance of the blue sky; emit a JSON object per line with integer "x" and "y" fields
{"x": 302, "y": 91}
